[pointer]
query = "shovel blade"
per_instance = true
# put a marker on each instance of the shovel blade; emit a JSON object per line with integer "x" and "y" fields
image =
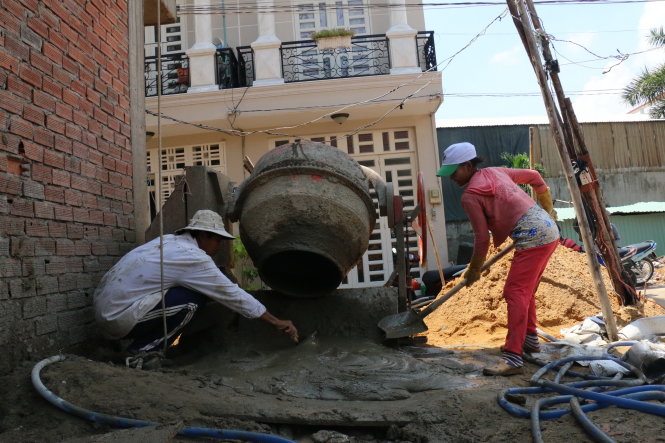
{"x": 402, "y": 324}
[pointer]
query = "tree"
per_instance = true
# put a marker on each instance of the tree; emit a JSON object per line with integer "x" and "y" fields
{"x": 521, "y": 161}
{"x": 649, "y": 87}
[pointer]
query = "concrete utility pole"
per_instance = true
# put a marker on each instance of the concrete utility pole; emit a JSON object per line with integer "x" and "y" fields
{"x": 582, "y": 182}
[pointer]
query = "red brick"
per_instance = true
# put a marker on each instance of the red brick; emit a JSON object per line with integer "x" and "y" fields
{"x": 43, "y": 100}
{"x": 81, "y": 215}
{"x": 90, "y": 201}
{"x": 52, "y": 88}
{"x": 21, "y": 127}
{"x": 33, "y": 114}
{"x": 12, "y": 19}
{"x": 67, "y": 32}
{"x": 63, "y": 213}
{"x": 109, "y": 219}
{"x": 8, "y": 62}
{"x": 73, "y": 197}
{"x": 62, "y": 76}
{"x": 10, "y": 103}
{"x": 44, "y": 137}
{"x": 98, "y": 248}
{"x": 70, "y": 98}
{"x": 70, "y": 66}
{"x": 55, "y": 159}
{"x": 64, "y": 111}
{"x": 63, "y": 144}
{"x": 53, "y": 53}
{"x": 22, "y": 208}
{"x": 55, "y": 124}
{"x": 73, "y": 132}
{"x": 36, "y": 228}
{"x": 32, "y": 189}
{"x": 19, "y": 87}
{"x": 79, "y": 86}
{"x": 82, "y": 248}
{"x": 61, "y": 178}
{"x": 32, "y": 76}
{"x": 15, "y": 47}
{"x": 72, "y": 164}
{"x": 33, "y": 151}
{"x": 75, "y": 231}
{"x": 97, "y": 217}
{"x": 41, "y": 173}
{"x": 44, "y": 246}
{"x": 10, "y": 184}
{"x": 57, "y": 39}
{"x": 56, "y": 229}
{"x": 88, "y": 169}
{"x": 12, "y": 226}
{"x": 93, "y": 96}
{"x": 41, "y": 62}
{"x": 81, "y": 119}
{"x": 64, "y": 247}
{"x": 54, "y": 194}
{"x": 38, "y": 25}
{"x": 44, "y": 210}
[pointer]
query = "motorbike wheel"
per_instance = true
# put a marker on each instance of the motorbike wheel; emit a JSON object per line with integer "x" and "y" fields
{"x": 643, "y": 271}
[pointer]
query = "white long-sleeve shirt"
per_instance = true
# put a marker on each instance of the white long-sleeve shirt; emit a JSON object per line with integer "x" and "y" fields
{"x": 131, "y": 287}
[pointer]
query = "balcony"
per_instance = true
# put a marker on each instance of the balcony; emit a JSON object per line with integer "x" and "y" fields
{"x": 301, "y": 61}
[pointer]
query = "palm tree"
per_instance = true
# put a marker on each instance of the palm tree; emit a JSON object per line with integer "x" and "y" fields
{"x": 649, "y": 87}
{"x": 521, "y": 161}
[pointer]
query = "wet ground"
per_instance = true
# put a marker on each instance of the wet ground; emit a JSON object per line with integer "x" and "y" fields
{"x": 322, "y": 390}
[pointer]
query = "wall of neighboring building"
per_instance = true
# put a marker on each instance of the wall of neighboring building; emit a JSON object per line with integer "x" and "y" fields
{"x": 65, "y": 167}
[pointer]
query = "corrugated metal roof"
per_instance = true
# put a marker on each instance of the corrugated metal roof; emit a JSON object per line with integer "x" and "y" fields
{"x": 636, "y": 208}
{"x": 533, "y": 120}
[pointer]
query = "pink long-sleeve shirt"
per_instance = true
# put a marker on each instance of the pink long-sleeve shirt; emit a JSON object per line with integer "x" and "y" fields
{"x": 494, "y": 202}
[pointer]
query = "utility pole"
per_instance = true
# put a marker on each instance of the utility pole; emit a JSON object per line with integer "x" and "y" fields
{"x": 581, "y": 179}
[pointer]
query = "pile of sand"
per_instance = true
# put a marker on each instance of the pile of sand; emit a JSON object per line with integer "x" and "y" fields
{"x": 566, "y": 295}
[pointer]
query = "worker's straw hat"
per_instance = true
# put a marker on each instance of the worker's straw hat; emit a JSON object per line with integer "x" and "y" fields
{"x": 206, "y": 220}
{"x": 454, "y": 155}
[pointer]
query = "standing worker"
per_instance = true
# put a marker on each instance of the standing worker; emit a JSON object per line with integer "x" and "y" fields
{"x": 128, "y": 302}
{"x": 495, "y": 203}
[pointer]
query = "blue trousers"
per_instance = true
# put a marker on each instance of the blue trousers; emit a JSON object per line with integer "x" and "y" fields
{"x": 181, "y": 305}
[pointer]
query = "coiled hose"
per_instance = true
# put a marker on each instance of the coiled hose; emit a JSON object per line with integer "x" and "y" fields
{"x": 634, "y": 394}
{"x": 123, "y": 422}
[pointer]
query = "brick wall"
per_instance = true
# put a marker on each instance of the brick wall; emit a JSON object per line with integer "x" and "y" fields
{"x": 65, "y": 167}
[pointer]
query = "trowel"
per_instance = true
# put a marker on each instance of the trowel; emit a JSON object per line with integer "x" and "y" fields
{"x": 411, "y": 322}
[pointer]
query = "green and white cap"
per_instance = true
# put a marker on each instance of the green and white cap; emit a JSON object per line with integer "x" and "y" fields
{"x": 454, "y": 155}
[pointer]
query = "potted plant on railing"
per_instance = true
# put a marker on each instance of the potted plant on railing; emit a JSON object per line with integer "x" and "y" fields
{"x": 333, "y": 38}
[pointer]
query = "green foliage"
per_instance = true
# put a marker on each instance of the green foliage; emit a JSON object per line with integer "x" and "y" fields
{"x": 332, "y": 33}
{"x": 521, "y": 161}
{"x": 248, "y": 273}
{"x": 649, "y": 87}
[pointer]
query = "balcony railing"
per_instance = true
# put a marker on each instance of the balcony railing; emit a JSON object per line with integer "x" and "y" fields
{"x": 175, "y": 74}
{"x": 425, "y": 50}
{"x": 303, "y": 61}
{"x": 245, "y": 65}
{"x": 226, "y": 69}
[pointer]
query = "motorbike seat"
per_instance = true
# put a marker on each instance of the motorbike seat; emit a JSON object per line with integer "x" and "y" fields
{"x": 644, "y": 246}
{"x": 623, "y": 251}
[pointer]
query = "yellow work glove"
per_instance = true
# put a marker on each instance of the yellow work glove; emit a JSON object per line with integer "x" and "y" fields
{"x": 472, "y": 273}
{"x": 545, "y": 200}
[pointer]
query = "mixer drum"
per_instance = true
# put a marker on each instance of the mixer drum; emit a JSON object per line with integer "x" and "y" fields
{"x": 305, "y": 216}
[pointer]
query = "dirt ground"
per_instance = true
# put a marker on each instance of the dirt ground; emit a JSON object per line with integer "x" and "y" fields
{"x": 326, "y": 389}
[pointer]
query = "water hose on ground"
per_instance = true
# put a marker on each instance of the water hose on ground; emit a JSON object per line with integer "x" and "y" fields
{"x": 635, "y": 394}
{"x": 124, "y": 422}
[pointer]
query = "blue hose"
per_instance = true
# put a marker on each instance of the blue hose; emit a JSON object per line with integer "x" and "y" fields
{"x": 634, "y": 395}
{"x": 123, "y": 422}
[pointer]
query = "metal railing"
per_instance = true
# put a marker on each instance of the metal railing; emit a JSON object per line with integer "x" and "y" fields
{"x": 303, "y": 61}
{"x": 425, "y": 50}
{"x": 245, "y": 65}
{"x": 175, "y": 74}
{"x": 226, "y": 69}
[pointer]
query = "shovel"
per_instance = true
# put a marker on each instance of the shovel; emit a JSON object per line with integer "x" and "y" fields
{"x": 411, "y": 322}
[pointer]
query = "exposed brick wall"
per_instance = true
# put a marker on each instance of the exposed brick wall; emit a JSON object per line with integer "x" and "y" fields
{"x": 66, "y": 210}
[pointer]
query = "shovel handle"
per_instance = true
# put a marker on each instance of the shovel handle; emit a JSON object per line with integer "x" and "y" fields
{"x": 455, "y": 289}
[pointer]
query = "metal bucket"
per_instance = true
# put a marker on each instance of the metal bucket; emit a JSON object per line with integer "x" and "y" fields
{"x": 305, "y": 216}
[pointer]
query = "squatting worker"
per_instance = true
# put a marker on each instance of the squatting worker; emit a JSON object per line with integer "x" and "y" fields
{"x": 495, "y": 203}
{"x": 128, "y": 299}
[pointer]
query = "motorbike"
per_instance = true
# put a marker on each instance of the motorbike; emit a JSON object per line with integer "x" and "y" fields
{"x": 637, "y": 260}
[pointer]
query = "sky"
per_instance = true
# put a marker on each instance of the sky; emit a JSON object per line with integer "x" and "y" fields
{"x": 496, "y": 62}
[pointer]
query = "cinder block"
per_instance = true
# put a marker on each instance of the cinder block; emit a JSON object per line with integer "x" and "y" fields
{"x": 34, "y": 306}
{"x": 46, "y": 324}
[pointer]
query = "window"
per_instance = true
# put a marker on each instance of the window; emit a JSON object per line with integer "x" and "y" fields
{"x": 351, "y": 14}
